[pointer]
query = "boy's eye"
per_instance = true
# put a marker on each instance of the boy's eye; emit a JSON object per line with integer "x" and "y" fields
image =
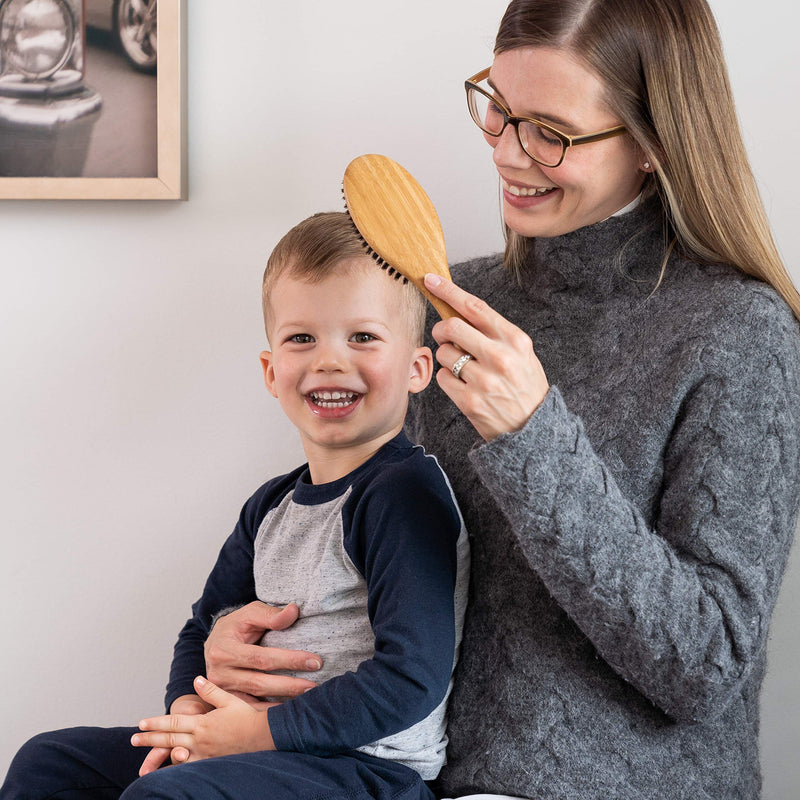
{"x": 362, "y": 338}
{"x": 302, "y": 338}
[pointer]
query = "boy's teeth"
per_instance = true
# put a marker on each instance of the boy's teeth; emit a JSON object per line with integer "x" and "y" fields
{"x": 334, "y": 398}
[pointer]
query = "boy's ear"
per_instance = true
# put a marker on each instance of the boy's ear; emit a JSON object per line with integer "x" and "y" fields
{"x": 421, "y": 370}
{"x": 268, "y": 366}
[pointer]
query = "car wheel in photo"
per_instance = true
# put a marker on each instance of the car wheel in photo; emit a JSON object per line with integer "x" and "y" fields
{"x": 136, "y": 31}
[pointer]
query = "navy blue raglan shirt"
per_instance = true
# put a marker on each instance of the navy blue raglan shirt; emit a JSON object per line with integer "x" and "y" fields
{"x": 378, "y": 563}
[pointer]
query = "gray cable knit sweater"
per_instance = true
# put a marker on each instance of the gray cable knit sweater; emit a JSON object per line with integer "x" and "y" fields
{"x": 629, "y": 541}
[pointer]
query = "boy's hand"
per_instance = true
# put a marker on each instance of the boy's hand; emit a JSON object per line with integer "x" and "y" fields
{"x": 231, "y": 727}
{"x": 187, "y": 704}
{"x": 190, "y": 704}
{"x": 235, "y": 661}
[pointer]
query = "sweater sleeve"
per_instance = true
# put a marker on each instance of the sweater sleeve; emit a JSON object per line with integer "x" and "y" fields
{"x": 680, "y": 607}
{"x": 404, "y": 535}
{"x": 229, "y": 585}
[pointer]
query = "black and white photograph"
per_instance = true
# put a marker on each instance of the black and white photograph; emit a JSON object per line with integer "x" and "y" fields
{"x": 79, "y": 85}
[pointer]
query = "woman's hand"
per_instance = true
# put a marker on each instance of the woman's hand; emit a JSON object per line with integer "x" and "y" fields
{"x": 503, "y": 383}
{"x": 237, "y": 664}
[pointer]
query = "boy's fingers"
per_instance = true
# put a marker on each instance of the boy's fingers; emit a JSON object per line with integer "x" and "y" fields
{"x": 162, "y": 740}
{"x": 155, "y": 758}
{"x": 211, "y": 693}
{"x": 175, "y": 723}
{"x": 179, "y": 755}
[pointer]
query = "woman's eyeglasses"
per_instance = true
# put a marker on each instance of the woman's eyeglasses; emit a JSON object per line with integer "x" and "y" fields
{"x": 542, "y": 142}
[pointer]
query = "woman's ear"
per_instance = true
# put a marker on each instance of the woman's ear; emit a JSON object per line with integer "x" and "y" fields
{"x": 647, "y": 161}
{"x": 421, "y": 370}
{"x": 268, "y": 366}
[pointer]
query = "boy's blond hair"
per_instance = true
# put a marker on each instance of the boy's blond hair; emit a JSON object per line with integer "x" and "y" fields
{"x": 318, "y": 246}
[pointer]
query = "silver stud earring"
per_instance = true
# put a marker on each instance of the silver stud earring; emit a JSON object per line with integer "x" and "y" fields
{"x": 646, "y": 165}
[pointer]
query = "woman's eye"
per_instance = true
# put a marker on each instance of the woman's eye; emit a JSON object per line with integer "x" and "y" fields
{"x": 546, "y": 136}
{"x": 302, "y": 338}
{"x": 363, "y": 338}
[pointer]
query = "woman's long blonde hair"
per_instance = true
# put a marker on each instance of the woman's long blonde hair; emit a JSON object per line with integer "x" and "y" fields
{"x": 664, "y": 71}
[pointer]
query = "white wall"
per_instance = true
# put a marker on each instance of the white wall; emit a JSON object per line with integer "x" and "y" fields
{"x": 133, "y": 422}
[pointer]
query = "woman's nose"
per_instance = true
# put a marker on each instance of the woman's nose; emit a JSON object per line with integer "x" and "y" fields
{"x": 508, "y": 151}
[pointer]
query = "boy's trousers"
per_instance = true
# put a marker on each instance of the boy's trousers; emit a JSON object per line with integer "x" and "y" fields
{"x": 101, "y": 764}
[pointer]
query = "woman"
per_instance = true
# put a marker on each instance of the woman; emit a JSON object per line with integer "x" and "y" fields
{"x": 634, "y": 500}
{"x": 619, "y": 416}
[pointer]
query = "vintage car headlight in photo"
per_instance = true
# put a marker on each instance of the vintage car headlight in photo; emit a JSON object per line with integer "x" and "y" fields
{"x": 46, "y": 111}
{"x": 37, "y": 38}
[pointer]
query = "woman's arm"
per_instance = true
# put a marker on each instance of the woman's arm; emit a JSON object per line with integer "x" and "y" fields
{"x": 678, "y": 605}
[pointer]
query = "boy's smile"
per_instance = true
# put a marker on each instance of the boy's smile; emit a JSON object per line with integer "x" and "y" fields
{"x": 342, "y": 363}
{"x": 333, "y": 403}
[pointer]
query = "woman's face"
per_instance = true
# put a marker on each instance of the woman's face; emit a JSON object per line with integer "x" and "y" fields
{"x": 594, "y": 180}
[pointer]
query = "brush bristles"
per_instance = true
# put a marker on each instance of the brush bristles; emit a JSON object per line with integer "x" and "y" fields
{"x": 381, "y": 262}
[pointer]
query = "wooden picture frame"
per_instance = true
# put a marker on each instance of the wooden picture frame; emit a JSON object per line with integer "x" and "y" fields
{"x": 171, "y": 180}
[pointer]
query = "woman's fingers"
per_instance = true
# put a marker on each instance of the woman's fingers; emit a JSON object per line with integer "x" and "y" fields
{"x": 456, "y": 361}
{"x": 490, "y": 370}
{"x": 230, "y": 654}
{"x": 259, "y": 684}
{"x": 475, "y": 311}
{"x": 235, "y": 663}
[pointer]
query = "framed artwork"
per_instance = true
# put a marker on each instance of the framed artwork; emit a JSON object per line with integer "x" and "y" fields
{"x": 92, "y": 99}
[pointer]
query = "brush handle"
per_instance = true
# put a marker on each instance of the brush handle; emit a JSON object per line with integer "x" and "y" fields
{"x": 445, "y": 310}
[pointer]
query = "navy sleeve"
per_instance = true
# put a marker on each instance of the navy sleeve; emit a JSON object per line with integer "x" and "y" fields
{"x": 402, "y": 536}
{"x": 229, "y": 585}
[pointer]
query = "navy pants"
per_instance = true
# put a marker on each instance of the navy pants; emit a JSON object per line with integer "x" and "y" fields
{"x": 101, "y": 764}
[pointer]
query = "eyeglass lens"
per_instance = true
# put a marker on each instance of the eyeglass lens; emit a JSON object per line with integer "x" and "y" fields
{"x": 538, "y": 142}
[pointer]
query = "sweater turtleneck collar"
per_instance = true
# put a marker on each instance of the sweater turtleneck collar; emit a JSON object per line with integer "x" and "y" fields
{"x": 620, "y": 254}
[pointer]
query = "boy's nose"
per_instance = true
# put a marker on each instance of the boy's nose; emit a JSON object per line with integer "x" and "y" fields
{"x": 329, "y": 359}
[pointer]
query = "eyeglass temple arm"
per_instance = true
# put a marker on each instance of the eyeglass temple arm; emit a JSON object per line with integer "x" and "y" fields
{"x": 599, "y": 136}
{"x": 478, "y": 77}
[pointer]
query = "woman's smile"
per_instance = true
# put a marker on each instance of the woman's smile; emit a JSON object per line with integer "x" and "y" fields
{"x": 518, "y": 190}
{"x": 519, "y": 195}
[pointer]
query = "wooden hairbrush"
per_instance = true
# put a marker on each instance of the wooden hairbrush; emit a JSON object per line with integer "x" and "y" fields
{"x": 397, "y": 222}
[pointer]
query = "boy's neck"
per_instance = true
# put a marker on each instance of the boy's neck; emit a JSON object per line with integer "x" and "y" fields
{"x": 328, "y": 464}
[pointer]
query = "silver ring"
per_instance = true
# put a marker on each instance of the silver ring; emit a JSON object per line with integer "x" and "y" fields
{"x": 459, "y": 365}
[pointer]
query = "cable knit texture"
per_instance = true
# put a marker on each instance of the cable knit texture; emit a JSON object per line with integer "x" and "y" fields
{"x": 629, "y": 541}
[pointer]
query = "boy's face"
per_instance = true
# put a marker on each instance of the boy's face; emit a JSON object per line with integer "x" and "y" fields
{"x": 343, "y": 362}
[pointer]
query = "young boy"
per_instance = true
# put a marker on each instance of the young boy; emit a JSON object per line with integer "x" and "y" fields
{"x": 366, "y": 539}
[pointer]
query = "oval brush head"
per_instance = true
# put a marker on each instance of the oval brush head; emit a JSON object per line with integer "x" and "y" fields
{"x": 397, "y": 222}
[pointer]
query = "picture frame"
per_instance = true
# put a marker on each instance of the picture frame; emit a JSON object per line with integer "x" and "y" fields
{"x": 170, "y": 183}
